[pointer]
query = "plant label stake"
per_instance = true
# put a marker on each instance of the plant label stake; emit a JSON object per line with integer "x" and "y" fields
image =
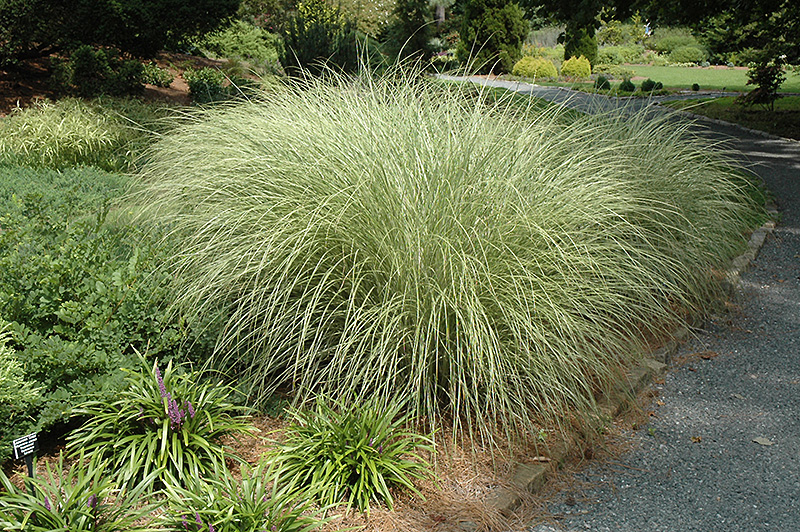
{"x": 26, "y": 447}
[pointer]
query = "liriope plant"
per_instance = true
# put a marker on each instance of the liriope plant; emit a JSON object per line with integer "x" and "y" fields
{"x": 497, "y": 264}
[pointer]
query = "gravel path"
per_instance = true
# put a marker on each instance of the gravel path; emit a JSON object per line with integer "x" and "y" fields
{"x": 722, "y": 452}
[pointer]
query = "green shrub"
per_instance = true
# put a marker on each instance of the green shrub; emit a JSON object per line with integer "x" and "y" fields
{"x": 207, "y": 85}
{"x": 92, "y": 72}
{"x": 649, "y": 85}
{"x": 602, "y": 83}
{"x": 245, "y": 41}
{"x": 695, "y": 87}
{"x": 687, "y": 54}
{"x": 665, "y": 40}
{"x": 576, "y": 67}
{"x": 355, "y": 453}
{"x": 535, "y": 67}
{"x": 253, "y": 502}
{"x": 616, "y": 55}
{"x": 82, "y": 292}
{"x": 627, "y": 86}
{"x": 768, "y": 77}
{"x": 106, "y": 133}
{"x": 74, "y": 499}
{"x": 17, "y": 398}
{"x": 402, "y": 237}
{"x": 155, "y": 75}
{"x": 614, "y": 71}
{"x": 166, "y": 424}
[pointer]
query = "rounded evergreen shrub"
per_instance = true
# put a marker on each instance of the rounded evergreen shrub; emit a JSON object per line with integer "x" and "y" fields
{"x": 649, "y": 85}
{"x": 392, "y": 236}
{"x": 535, "y": 67}
{"x": 609, "y": 55}
{"x": 576, "y": 67}
{"x": 687, "y": 54}
{"x": 695, "y": 87}
{"x": 627, "y": 86}
{"x": 602, "y": 83}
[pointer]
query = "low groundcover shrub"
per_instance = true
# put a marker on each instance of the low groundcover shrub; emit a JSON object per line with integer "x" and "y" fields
{"x": 379, "y": 235}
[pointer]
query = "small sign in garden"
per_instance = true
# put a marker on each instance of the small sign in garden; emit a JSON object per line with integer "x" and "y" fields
{"x": 25, "y": 446}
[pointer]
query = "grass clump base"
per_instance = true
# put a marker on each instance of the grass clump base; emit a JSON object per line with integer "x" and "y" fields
{"x": 389, "y": 235}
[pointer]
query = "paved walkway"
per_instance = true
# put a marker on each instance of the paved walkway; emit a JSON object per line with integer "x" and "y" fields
{"x": 722, "y": 452}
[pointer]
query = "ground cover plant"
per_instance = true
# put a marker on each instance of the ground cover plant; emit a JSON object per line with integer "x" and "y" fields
{"x": 388, "y": 235}
{"x": 355, "y": 454}
{"x": 708, "y": 78}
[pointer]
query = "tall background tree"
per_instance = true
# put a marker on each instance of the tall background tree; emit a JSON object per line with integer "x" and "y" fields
{"x": 31, "y": 28}
{"x": 492, "y": 33}
{"x": 410, "y": 30}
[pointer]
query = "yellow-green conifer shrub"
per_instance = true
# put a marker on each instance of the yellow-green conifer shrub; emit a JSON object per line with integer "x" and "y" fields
{"x": 576, "y": 67}
{"x": 535, "y": 67}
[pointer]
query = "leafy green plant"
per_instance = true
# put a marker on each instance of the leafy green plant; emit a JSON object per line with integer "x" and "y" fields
{"x": 243, "y": 40}
{"x": 535, "y": 67}
{"x": 491, "y": 35}
{"x": 93, "y": 72}
{"x": 355, "y": 453}
{"x": 253, "y": 502}
{"x": 687, "y": 54}
{"x": 18, "y": 395}
{"x": 496, "y": 264}
{"x": 627, "y": 86}
{"x": 576, "y": 67}
{"x": 161, "y": 423}
{"x": 695, "y": 87}
{"x": 206, "y": 85}
{"x": 602, "y": 83}
{"x": 155, "y": 75}
{"x": 768, "y": 77}
{"x": 75, "y": 500}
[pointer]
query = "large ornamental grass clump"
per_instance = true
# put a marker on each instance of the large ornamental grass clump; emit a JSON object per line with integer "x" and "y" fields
{"x": 495, "y": 264}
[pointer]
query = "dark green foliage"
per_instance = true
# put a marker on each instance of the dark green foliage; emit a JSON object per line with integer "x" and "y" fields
{"x": 649, "y": 85}
{"x": 767, "y": 76}
{"x": 91, "y": 72}
{"x": 627, "y": 86}
{"x": 81, "y": 291}
{"x": 695, "y": 87}
{"x": 410, "y": 31}
{"x": 602, "y": 83}
{"x": 155, "y": 75}
{"x": 353, "y": 453}
{"x": 140, "y": 27}
{"x": 320, "y": 36}
{"x": 492, "y": 34}
{"x": 580, "y": 40}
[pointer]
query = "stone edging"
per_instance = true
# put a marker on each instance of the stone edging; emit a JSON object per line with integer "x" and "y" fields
{"x": 531, "y": 477}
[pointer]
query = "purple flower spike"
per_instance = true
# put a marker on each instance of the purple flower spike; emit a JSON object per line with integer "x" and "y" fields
{"x": 197, "y": 519}
{"x": 47, "y": 504}
{"x": 210, "y": 527}
{"x": 185, "y": 523}
{"x": 92, "y": 501}
{"x": 190, "y": 409}
{"x": 161, "y": 387}
{"x": 274, "y": 528}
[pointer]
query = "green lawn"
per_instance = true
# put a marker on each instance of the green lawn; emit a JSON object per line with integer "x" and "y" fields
{"x": 708, "y": 78}
{"x": 783, "y": 121}
{"x": 682, "y": 78}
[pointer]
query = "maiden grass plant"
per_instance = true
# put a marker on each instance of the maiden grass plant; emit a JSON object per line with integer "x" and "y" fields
{"x": 163, "y": 424}
{"x": 390, "y": 235}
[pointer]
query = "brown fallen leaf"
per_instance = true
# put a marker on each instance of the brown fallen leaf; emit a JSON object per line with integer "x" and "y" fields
{"x": 696, "y": 439}
{"x": 660, "y": 403}
{"x": 540, "y": 459}
{"x": 763, "y": 441}
{"x": 708, "y": 355}
{"x": 692, "y": 369}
